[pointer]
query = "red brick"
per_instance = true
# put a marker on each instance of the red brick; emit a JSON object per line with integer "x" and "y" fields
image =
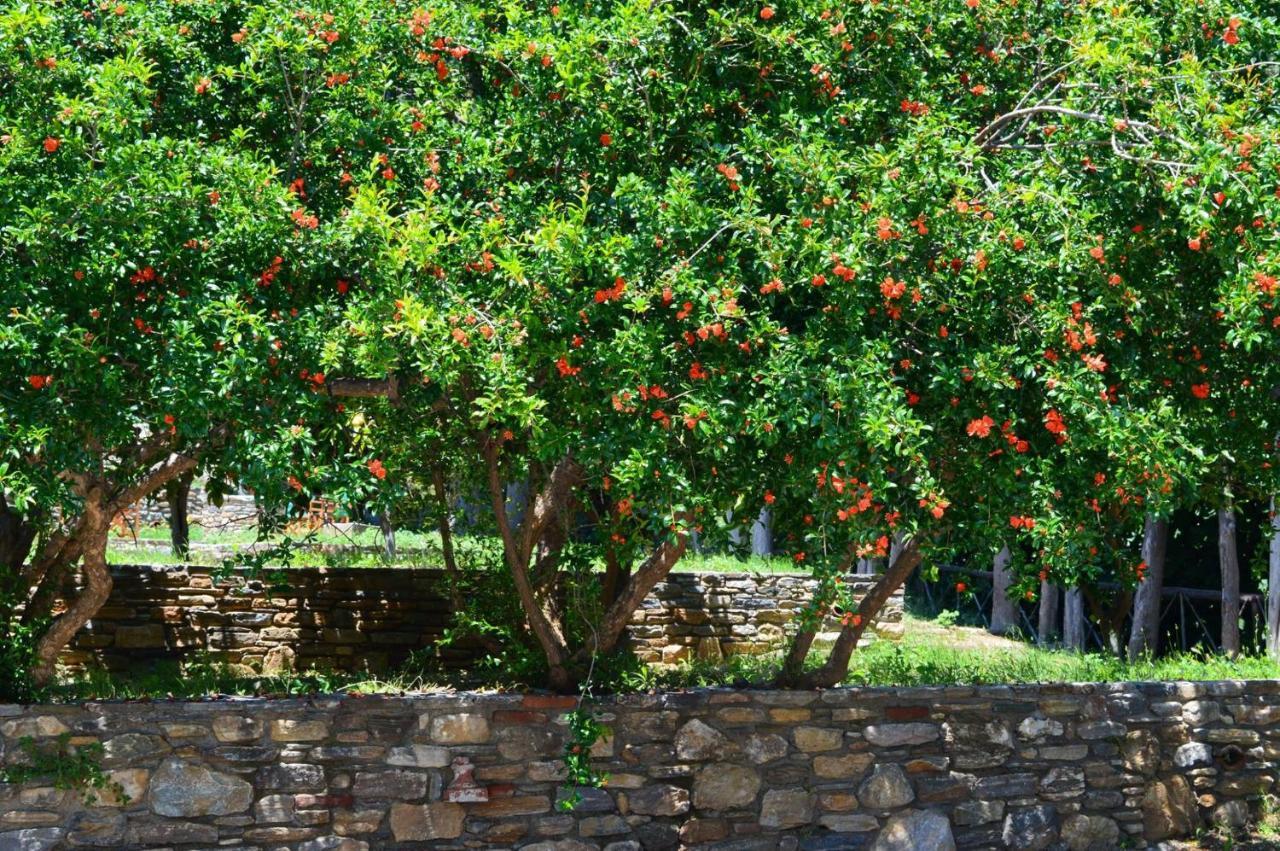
{"x": 906, "y": 713}
{"x": 549, "y": 701}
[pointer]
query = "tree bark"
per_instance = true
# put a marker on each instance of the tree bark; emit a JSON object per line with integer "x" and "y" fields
{"x": 651, "y": 571}
{"x": 802, "y": 641}
{"x": 518, "y": 545}
{"x": 1004, "y": 611}
{"x": 178, "y": 494}
{"x": 1229, "y": 561}
{"x": 904, "y": 559}
{"x": 388, "y": 534}
{"x": 1050, "y": 597}
{"x": 1073, "y": 621}
{"x": 97, "y": 588}
{"x": 1144, "y": 635}
{"x": 1273, "y": 585}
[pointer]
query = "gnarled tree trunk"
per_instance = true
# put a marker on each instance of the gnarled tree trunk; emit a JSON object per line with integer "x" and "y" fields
{"x": 1144, "y": 635}
{"x": 902, "y": 560}
{"x": 178, "y": 495}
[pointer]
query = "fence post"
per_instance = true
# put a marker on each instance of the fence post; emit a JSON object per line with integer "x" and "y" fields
{"x": 1050, "y": 598}
{"x": 762, "y": 534}
{"x": 1273, "y": 586}
{"x": 1004, "y": 612}
{"x": 1229, "y": 559}
{"x": 1073, "y": 621}
{"x": 1144, "y": 635}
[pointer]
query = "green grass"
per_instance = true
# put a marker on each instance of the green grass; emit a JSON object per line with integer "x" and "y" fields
{"x": 332, "y": 547}
{"x": 933, "y": 659}
{"x": 925, "y": 656}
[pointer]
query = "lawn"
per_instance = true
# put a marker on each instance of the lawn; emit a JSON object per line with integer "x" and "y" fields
{"x": 362, "y": 546}
{"x": 928, "y": 654}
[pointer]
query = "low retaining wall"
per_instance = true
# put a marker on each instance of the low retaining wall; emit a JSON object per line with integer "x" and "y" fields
{"x": 371, "y": 619}
{"x": 1025, "y": 767}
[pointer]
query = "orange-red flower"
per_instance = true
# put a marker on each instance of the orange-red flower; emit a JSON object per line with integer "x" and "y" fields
{"x": 980, "y": 427}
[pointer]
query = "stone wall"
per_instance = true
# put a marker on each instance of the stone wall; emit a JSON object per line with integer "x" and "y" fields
{"x": 357, "y": 619}
{"x": 1024, "y": 767}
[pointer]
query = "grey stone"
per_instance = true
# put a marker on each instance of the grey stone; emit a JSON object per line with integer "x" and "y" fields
{"x": 182, "y": 789}
{"x": 1197, "y": 713}
{"x": 696, "y": 741}
{"x": 1232, "y": 815}
{"x": 972, "y": 813}
{"x": 589, "y": 799}
{"x": 152, "y": 834}
{"x": 1031, "y": 829}
{"x": 1005, "y": 786}
{"x": 659, "y": 800}
{"x": 724, "y": 786}
{"x": 765, "y": 748}
{"x": 915, "y": 830}
{"x": 610, "y": 825}
{"x": 898, "y": 735}
{"x": 849, "y": 822}
{"x": 130, "y": 747}
{"x": 273, "y": 809}
{"x": 1193, "y": 755}
{"x": 886, "y": 788}
{"x": 393, "y": 785}
{"x": 419, "y": 756}
{"x": 1062, "y": 783}
{"x": 32, "y": 839}
{"x": 334, "y": 843}
{"x": 1090, "y": 833}
{"x": 1038, "y": 727}
{"x": 291, "y": 777}
{"x": 978, "y": 745}
{"x": 786, "y": 808}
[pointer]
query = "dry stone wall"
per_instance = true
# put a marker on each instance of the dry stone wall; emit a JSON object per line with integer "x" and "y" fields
{"x": 357, "y": 619}
{"x": 1026, "y": 767}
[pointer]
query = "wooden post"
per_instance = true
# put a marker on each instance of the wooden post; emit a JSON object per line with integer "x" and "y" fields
{"x": 762, "y": 534}
{"x": 1050, "y": 598}
{"x": 1229, "y": 561}
{"x": 1073, "y": 621}
{"x": 1004, "y": 612}
{"x": 1273, "y": 585}
{"x": 1144, "y": 635}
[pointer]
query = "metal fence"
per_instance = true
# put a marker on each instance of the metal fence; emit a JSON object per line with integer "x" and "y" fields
{"x": 1189, "y": 617}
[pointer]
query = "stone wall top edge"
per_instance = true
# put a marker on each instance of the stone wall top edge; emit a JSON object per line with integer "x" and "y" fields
{"x": 674, "y": 699}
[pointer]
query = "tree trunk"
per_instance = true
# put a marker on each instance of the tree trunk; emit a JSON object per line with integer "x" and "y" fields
{"x": 762, "y": 534}
{"x": 904, "y": 559}
{"x": 1144, "y": 635}
{"x": 1273, "y": 585}
{"x": 388, "y": 534}
{"x": 802, "y": 641}
{"x": 91, "y": 598}
{"x": 1050, "y": 597}
{"x": 1004, "y": 611}
{"x": 651, "y": 571}
{"x": 1229, "y": 561}
{"x": 1073, "y": 621}
{"x": 518, "y": 548}
{"x": 178, "y": 494}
